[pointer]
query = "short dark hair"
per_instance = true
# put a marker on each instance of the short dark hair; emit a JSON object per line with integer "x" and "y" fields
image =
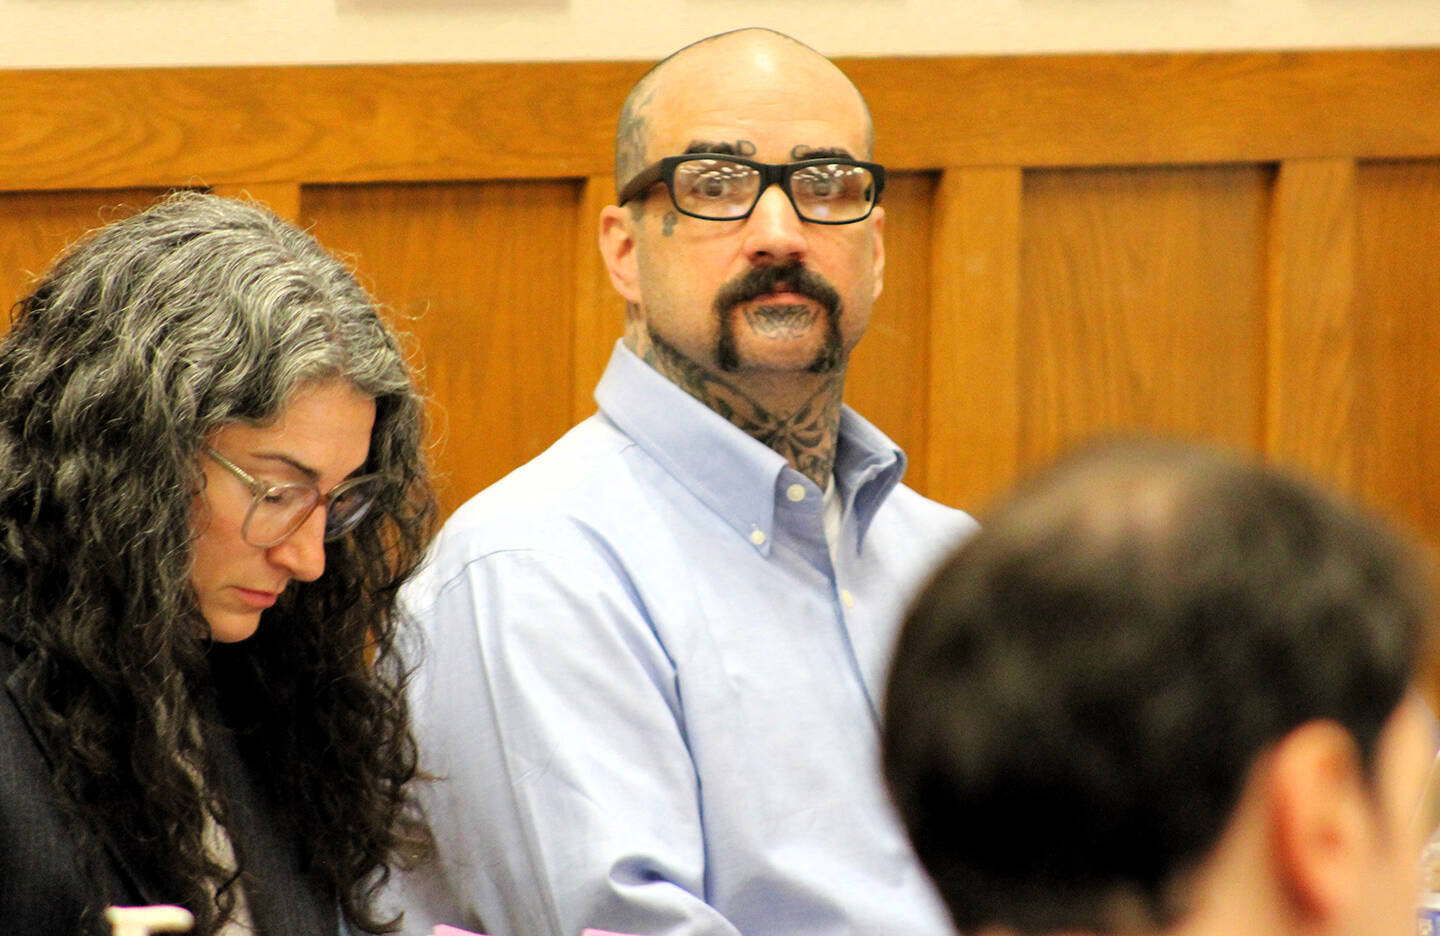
{"x": 1080, "y": 692}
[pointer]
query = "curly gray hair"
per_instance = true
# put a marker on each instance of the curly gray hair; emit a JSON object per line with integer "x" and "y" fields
{"x": 141, "y": 341}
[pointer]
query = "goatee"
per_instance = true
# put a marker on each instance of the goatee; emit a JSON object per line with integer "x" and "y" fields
{"x": 778, "y": 319}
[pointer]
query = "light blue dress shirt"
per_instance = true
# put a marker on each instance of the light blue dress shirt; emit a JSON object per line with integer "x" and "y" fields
{"x": 652, "y": 696}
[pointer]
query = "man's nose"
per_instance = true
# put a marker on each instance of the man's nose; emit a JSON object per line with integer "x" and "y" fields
{"x": 774, "y": 232}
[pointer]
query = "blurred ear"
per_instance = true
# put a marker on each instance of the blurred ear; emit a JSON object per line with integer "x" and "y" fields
{"x": 878, "y": 214}
{"x": 617, "y": 247}
{"x": 1322, "y": 819}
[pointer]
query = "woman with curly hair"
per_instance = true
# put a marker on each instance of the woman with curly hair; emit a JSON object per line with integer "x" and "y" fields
{"x": 211, "y": 487}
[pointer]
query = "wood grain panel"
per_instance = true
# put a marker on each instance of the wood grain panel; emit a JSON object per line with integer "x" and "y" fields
{"x": 482, "y": 275}
{"x": 1130, "y": 109}
{"x": 1310, "y": 394}
{"x": 282, "y": 198}
{"x": 36, "y": 226}
{"x": 85, "y": 128}
{"x": 1397, "y": 295}
{"x": 974, "y": 335}
{"x": 599, "y": 310}
{"x": 213, "y": 126}
{"x": 886, "y": 378}
{"x": 1143, "y": 305}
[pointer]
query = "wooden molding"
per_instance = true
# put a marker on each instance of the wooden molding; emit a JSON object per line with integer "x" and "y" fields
{"x": 158, "y": 127}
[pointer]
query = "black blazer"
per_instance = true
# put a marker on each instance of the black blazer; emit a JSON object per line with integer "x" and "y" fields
{"x": 43, "y": 888}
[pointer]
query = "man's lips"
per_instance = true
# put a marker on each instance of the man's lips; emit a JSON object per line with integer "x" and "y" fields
{"x": 782, "y": 297}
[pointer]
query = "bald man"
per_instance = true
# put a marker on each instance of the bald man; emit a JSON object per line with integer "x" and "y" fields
{"x": 655, "y": 653}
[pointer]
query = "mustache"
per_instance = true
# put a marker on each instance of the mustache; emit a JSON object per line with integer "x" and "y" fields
{"x": 762, "y": 280}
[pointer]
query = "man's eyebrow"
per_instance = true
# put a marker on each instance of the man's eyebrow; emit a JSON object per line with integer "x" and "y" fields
{"x": 819, "y": 152}
{"x": 711, "y": 146}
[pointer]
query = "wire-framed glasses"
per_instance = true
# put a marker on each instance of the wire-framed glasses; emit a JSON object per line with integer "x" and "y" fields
{"x": 278, "y": 509}
{"x": 829, "y": 190}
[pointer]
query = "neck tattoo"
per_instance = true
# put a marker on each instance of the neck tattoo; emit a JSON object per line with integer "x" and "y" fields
{"x": 805, "y": 434}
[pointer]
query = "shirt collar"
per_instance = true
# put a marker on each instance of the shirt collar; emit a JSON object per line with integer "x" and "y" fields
{"x": 730, "y": 472}
{"x": 868, "y": 466}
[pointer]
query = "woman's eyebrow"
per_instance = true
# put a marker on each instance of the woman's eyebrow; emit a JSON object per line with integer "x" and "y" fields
{"x": 299, "y": 466}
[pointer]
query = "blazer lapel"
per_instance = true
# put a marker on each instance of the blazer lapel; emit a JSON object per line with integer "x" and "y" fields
{"x": 22, "y": 671}
{"x": 282, "y": 898}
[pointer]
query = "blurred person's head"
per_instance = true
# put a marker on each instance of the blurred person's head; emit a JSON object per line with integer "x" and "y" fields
{"x": 1168, "y": 690}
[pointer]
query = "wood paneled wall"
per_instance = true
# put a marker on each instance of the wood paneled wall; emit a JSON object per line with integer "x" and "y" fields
{"x": 1239, "y": 247}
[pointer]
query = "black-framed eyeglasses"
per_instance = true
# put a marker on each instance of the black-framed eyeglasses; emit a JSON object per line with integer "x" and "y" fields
{"x": 829, "y": 190}
{"x": 278, "y": 509}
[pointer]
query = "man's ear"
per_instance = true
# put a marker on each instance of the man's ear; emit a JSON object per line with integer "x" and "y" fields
{"x": 878, "y": 214}
{"x": 617, "y": 247}
{"x": 1322, "y": 819}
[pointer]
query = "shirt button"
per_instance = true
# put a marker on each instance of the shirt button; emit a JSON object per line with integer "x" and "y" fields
{"x": 757, "y": 536}
{"x": 846, "y": 597}
{"x": 796, "y": 492}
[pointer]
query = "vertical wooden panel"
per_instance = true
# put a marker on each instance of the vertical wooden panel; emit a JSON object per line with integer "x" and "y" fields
{"x": 1143, "y": 305}
{"x": 1397, "y": 298}
{"x": 1310, "y": 395}
{"x": 36, "y": 226}
{"x": 482, "y": 275}
{"x": 283, "y": 198}
{"x": 886, "y": 378}
{"x": 599, "y": 310}
{"x": 1398, "y": 383}
{"x": 974, "y": 365}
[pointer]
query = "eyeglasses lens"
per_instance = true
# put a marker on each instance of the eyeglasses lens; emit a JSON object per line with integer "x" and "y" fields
{"x": 833, "y": 192}
{"x": 715, "y": 188}
{"x": 279, "y": 512}
{"x": 350, "y": 507}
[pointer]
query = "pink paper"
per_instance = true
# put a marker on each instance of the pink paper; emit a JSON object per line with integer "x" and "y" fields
{"x": 443, "y": 930}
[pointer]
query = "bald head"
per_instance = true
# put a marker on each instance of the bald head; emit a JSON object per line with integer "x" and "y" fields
{"x": 778, "y": 76}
